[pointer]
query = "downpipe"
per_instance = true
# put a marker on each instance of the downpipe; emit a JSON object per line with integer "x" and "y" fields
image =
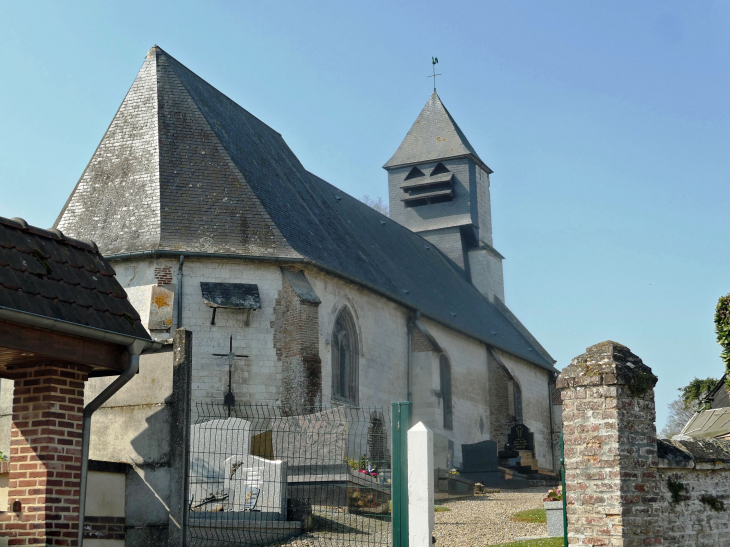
{"x": 134, "y": 350}
{"x": 180, "y": 290}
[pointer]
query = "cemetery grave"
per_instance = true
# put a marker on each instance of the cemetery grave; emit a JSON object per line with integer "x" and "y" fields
{"x": 262, "y": 475}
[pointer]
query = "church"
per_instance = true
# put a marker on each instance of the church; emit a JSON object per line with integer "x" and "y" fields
{"x": 298, "y": 294}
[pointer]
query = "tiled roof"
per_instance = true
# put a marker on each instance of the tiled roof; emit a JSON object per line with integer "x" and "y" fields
{"x": 45, "y": 273}
{"x": 227, "y": 183}
{"x": 433, "y": 136}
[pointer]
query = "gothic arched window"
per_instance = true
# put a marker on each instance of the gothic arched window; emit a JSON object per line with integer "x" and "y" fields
{"x": 344, "y": 359}
{"x": 445, "y": 376}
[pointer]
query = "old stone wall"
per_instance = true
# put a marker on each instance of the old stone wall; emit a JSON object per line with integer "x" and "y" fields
{"x": 625, "y": 486}
{"x": 296, "y": 338}
{"x": 694, "y": 487}
{"x": 274, "y": 348}
{"x": 535, "y": 395}
{"x": 501, "y": 400}
{"x": 256, "y": 378}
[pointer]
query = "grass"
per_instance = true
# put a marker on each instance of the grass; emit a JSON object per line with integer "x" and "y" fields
{"x": 441, "y": 509}
{"x": 531, "y": 515}
{"x": 546, "y": 542}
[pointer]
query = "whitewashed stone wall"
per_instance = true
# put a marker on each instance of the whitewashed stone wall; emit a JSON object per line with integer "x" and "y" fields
{"x": 470, "y": 396}
{"x": 535, "y": 404}
{"x": 256, "y": 378}
{"x": 382, "y": 330}
{"x": 382, "y": 337}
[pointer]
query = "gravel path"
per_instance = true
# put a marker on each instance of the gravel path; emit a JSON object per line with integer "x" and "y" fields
{"x": 485, "y": 520}
{"x": 472, "y": 522}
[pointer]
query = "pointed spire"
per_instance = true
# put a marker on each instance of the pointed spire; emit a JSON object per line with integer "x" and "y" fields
{"x": 434, "y": 136}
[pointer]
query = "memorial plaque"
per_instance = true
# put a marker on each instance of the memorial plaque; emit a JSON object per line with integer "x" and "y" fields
{"x": 521, "y": 438}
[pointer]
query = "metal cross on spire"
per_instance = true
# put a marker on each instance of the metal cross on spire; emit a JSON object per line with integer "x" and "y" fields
{"x": 434, "y": 62}
{"x": 229, "y": 399}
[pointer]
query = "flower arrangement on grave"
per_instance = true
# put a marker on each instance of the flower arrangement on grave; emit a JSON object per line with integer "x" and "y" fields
{"x": 363, "y": 466}
{"x": 554, "y": 494}
{"x": 454, "y": 472}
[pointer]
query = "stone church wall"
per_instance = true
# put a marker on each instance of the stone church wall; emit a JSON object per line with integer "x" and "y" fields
{"x": 469, "y": 386}
{"x": 536, "y": 403}
{"x": 296, "y": 338}
{"x": 274, "y": 350}
{"x": 256, "y": 378}
{"x": 382, "y": 338}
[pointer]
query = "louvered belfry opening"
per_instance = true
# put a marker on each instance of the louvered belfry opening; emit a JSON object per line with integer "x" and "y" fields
{"x": 420, "y": 190}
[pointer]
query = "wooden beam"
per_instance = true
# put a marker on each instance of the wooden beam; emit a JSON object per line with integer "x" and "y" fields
{"x": 37, "y": 345}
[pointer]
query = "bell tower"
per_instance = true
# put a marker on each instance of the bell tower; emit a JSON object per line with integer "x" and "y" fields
{"x": 439, "y": 188}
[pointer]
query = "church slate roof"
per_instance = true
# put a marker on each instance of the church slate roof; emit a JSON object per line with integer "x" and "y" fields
{"x": 45, "y": 273}
{"x": 434, "y": 136}
{"x": 222, "y": 181}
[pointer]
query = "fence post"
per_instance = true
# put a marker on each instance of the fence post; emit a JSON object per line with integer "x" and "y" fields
{"x": 399, "y": 494}
{"x": 420, "y": 486}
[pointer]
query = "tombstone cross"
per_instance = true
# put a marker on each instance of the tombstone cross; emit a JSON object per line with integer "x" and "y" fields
{"x": 229, "y": 399}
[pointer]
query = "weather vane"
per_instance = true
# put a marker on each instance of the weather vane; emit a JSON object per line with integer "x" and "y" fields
{"x": 434, "y": 62}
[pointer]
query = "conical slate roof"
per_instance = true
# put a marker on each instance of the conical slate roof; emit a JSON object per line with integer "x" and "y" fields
{"x": 433, "y": 136}
{"x": 184, "y": 168}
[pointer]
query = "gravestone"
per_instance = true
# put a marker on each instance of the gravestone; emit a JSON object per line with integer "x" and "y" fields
{"x": 480, "y": 463}
{"x": 312, "y": 443}
{"x": 521, "y": 439}
{"x": 257, "y": 486}
{"x": 481, "y": 456}
{"x": 211, "y": 444}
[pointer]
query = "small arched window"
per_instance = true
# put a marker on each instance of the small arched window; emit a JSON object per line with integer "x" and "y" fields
{"x": 518, "y": 402}
{"x": 445, "y": 376}
{"x": 344, "y": 359}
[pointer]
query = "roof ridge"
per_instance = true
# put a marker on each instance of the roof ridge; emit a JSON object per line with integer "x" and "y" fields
{"x": 51, "y": 233}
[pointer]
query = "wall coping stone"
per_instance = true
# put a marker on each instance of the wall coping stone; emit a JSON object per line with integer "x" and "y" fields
{"x": 682, "y": 451}
{"x": 607, "y": 363}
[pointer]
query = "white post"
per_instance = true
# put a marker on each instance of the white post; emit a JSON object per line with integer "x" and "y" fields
{"x": 420, "y": 486}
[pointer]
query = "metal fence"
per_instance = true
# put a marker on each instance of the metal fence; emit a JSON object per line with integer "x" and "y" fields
{"x": 264, "y": 475}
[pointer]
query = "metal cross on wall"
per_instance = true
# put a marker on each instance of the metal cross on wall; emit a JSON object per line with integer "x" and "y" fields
{"x": 229, "y": 399}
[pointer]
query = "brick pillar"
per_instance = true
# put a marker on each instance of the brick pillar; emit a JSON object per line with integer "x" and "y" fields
{"x": 45, "y": 455}
{"x": 610, "y": 448}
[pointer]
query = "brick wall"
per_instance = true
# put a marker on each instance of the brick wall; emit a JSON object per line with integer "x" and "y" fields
{"x": 296, "y": 339}
{"x": 625, "y": 486}
{"x": 163, "y": 275}
{"x": 45, "y": 455}
{"x": 610, "y": 448}
{"x": 502, "y": 417}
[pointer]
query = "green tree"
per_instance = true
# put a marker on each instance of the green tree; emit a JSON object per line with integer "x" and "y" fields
{"x": 690, "y": 400}
{"x": 694, "y": 393}
{"x": 722, "y": 330}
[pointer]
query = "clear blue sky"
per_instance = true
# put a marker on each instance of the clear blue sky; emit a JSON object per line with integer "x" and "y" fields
{"x": 606, "y": 124}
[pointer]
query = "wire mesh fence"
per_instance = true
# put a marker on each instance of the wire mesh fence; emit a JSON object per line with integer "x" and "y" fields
{"x": 264, "y": 475}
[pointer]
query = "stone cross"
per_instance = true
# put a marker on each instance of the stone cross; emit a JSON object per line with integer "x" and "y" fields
{"x": 229, "y": 399}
